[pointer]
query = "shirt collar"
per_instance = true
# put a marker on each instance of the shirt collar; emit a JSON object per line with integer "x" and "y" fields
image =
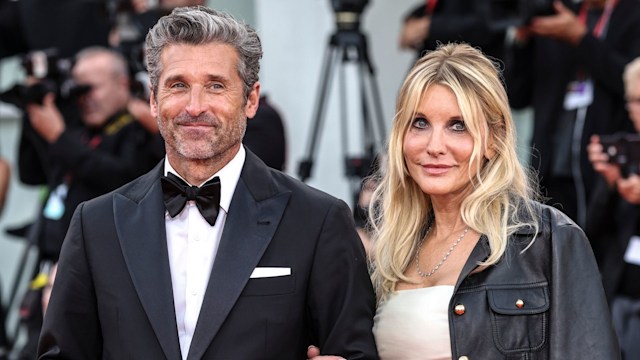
{"x": 229, "y": 176}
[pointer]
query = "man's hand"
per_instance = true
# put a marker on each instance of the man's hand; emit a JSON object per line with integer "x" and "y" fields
{"x": 141, "y": 111}
{"x": 313, "y": 353}
{"x": 564, "y": 25}
{"x": 46, "y": 119}
{"x": 414, "y": 32}
{"x": 600, "y": 162}
{"x": 629, "y": 189}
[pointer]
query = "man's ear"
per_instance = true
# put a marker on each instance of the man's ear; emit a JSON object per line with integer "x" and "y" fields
{"x": 153, "y": 104}
{"x": 251, "y": 107}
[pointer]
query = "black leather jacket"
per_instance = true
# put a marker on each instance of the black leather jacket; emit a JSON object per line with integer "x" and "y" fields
{"x": 544, "y": 303}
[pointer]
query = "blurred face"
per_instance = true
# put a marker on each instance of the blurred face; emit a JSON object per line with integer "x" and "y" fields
{"x": 596, "y": 3}
{"x": 109, "y": 92}
{"x": 633, "y": 104}
{"x": 170, "y": 4}
{"x": 200, "y": 105}
{"x": 437, "y": 147}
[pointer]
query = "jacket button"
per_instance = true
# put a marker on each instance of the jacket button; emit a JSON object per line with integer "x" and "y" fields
{"x": 463, "y": 358}
{"x": 459, "y": 309}
{"x": 519, "y": 303}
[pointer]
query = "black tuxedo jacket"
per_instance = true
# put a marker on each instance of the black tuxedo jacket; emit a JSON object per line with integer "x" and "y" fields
{"x": 113, "y": 298}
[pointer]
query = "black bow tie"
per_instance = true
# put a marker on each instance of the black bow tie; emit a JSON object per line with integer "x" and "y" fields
{"x": 177, "y": 193}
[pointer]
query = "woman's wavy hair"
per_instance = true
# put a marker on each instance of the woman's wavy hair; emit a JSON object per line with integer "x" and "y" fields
{"x": 200, "y": 25}
{"x": 496, "y": 206}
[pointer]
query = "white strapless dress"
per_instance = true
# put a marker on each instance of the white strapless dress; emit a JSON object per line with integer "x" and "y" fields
{"x": 414, "y": 325}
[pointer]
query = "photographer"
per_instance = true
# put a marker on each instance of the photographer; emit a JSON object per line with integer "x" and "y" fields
{"x": 81, "y": 162}
{"x": 568, "y": 68}
{"x": 443, "y": 21}
{"x": 613, "y": 226}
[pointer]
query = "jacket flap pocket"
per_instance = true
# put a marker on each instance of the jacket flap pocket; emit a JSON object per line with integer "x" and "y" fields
{"x": 519, "y": 300}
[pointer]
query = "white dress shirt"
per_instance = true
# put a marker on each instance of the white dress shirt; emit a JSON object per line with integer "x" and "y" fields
{"x": 192, "y": 245}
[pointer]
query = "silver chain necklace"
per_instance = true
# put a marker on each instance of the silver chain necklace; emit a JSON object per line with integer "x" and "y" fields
{"x": 417, "y": 256}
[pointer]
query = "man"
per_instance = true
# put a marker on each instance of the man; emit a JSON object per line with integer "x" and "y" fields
{"x": 568, "y": 68}
{"x": 265, "y": 135}
{"x": 613, "y": 223}
{"x": 279, "y": 266}
{"x": 78, "y": 163}
{"x": 441, "y": 21}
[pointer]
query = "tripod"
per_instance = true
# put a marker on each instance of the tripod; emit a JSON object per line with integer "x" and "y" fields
{"x": 348, "y": 45}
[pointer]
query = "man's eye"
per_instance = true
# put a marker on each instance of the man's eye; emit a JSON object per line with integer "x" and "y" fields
{"x": 217, "y": 86}
{"x": 420, "y": 123}
{"x": 177, "y": 85}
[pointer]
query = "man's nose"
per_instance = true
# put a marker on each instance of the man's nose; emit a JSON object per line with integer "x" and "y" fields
{"x": 196, "y": 105}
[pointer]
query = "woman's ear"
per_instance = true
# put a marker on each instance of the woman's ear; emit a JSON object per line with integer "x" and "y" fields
{"x": 490, "y": 151}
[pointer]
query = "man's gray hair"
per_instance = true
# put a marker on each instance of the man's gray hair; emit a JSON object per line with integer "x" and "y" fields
{"x": 119, "y": 66}
{"x": 200, "y": 25}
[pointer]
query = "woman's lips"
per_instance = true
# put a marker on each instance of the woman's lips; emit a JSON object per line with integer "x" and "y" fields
{"x": 436, "y": 169}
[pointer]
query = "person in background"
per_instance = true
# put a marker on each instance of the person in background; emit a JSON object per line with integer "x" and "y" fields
{"x": 46, "y": 290}
{"x": 77, "y": 160}
{"x": 5, "y": 177}
{"x": 442, "y": 21}
{"x": 568, "y": 68}
{"x": 613, "y": 226}
{"x": 265, "y": 135}
{"x": 212, "y": 254}
{"x": 467, "y": 265}
{"x": 79, "y": 163}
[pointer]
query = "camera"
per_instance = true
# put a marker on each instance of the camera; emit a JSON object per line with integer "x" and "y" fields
{"x": 502, "y": 14}
{"x": 348, "y": 13}
{"x": 53, "y": 75}
{"x": 623, "y": 150}
{"x": 355, "y": 6}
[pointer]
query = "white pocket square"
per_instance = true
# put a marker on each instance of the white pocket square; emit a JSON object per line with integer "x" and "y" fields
{"x": 265, "y": 272}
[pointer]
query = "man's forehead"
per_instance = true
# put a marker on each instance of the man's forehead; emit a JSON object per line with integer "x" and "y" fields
{"x": 178, "y": 57}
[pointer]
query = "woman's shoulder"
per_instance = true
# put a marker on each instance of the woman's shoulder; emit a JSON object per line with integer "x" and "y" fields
{"x": 556, "y": 229}
{"x": 544, "y": 214}
{"x": 551, "y": 215}
{"x": 545, "y": 224}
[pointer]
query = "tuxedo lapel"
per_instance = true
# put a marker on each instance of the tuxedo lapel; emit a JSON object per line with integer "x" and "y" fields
{"x": 254, "y": 215}
{"x": 140, "y": 225}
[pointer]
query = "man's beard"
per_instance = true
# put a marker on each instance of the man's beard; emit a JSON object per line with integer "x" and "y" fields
{"x": 210, "y": 145}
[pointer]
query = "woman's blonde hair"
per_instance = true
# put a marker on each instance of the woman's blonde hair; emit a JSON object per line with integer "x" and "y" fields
{"x": 498, "y": 201}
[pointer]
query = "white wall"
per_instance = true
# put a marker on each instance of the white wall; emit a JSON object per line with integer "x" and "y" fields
{"x": 21, "y": 203}
{"x": 295, "y": 35}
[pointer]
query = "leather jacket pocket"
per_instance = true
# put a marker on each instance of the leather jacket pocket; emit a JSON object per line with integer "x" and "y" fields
{"x": 519, "y": 317}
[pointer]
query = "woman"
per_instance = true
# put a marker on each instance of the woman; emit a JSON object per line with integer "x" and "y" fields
{"x": 467, "y": 265}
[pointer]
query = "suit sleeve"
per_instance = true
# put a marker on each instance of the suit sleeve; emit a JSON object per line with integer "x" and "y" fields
{"x": 580, "y": 324}
{"x": 71, "y": 329}
{"x": 341, "y": 297}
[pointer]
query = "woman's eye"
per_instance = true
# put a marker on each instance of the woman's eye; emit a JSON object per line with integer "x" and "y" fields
{"x": 458, "y": 126}
{"x": 420, "y": 123}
